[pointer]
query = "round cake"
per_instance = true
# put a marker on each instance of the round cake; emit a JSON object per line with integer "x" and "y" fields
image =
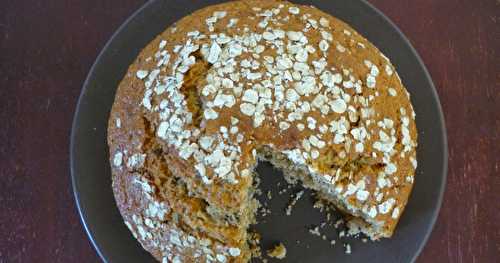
{"x": 242, "y": 81}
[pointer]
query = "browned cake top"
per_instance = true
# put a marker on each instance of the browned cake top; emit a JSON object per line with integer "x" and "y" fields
{"x": 230, "y": 79}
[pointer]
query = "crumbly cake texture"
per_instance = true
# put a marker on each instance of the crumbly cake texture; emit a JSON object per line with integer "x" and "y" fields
{"x": 279, "y": 251}
{"x": 244, "y": 80}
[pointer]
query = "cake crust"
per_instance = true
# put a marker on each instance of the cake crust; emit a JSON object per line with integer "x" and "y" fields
{"x": 237, "y": 81}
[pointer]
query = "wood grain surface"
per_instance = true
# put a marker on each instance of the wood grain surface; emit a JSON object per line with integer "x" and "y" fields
{"x": 48, "y": 47}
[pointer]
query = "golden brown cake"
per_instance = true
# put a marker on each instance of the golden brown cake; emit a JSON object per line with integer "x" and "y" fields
{"x": 237, "y": 82}
{"x": 279, "y": 251}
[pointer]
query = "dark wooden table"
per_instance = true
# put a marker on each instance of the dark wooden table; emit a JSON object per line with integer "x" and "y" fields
{"x": 47, "y": 48}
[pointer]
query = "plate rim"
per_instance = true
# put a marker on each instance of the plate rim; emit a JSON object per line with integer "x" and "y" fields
{"x": 81, "y": 213}
{"x": 440, "y": 116}
{"x": 442, "y": 123}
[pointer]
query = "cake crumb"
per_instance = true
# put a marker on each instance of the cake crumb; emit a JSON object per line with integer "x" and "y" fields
{"x": 264, "y": 211}
{"x": 278, "y": 251}
{"x": 338, "y": 223}
{"x": 293, "y": 202}
{"x": 315, "y": 231}
{"x": 319, "y": 204}
{"x": 348, "y": 249}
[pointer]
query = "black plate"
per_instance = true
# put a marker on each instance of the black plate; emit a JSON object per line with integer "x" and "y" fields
{"x": 91, "y": 172}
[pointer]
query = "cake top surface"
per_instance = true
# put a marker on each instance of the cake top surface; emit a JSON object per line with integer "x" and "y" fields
{"x": 230, "y": 79}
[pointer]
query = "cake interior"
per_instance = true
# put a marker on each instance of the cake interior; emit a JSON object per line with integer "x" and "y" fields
{"x": 194, "y": 214}
{"x": 293, "y": 173}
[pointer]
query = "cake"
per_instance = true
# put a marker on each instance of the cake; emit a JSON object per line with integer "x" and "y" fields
{"x": 279, "y": 251}
{"x": 239, "y": 82}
